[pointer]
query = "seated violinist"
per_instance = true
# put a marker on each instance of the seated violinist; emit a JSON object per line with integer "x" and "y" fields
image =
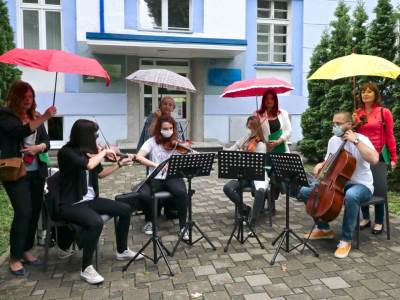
{"x": 358, "y": 189}
{"x": 80, "y": 168}
{"x": 159, "y": 148}
{"x": 251, "y": 142}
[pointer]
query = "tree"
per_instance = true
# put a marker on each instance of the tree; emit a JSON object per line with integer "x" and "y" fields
{"x": 359, "y": 29}
{"x": 381, "y": 41}
{"x": 311, "y": 119}
{"x": 8, "y": 73}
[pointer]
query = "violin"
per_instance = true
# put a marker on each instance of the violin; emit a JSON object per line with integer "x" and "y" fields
{"x": 252, "y": 143}
{"x": 179, "y": 147}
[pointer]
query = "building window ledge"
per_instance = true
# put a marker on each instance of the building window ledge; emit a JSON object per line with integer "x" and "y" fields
{"x": 274, "y": 66}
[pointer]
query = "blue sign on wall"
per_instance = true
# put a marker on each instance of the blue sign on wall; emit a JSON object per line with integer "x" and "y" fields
{"x": 223, "y": 77}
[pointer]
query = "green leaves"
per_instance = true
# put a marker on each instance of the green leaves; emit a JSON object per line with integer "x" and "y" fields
{"x": 8, "y": 73}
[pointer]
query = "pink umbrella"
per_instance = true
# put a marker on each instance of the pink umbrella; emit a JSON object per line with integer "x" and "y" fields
{"x": 55, "y": 61}
{"x": 256, "y": 87}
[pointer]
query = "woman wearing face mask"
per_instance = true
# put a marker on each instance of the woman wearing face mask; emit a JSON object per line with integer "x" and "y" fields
{"x": 158, "y": 150}
{"x": 22, "y": 133}
{"x": 251, "y": 142}
{"x": 379, "y": 129}
{"x": 277, "y": 129}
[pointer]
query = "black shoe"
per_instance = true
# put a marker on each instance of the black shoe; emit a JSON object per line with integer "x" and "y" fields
{"x": 377, "y": 231}
{"x": 362, "y": 227}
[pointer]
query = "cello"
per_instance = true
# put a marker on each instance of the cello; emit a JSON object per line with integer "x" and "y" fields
{"x": 326, "y": 199}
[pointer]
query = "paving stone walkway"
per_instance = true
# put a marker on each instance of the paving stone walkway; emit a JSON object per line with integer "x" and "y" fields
{"x": 373, "y": 272}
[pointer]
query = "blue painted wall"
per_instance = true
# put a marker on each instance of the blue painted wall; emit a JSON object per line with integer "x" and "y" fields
{"x": 130, "y": 7}
{"x": 69, "y": 41}
{"x": 198, "y": 18}
{"x": 251, "y": 37}
{"x": 297, "y": 46}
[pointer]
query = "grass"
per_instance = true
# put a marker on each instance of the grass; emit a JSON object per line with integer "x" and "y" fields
{"x": 6, "y": 215}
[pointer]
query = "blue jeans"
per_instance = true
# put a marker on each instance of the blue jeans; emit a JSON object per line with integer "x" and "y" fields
{"x": 379, "y": 213}
{"x": 355, "y": 195}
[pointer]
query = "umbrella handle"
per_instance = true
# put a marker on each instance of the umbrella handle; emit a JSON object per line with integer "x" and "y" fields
{"x": 55, "y": 89}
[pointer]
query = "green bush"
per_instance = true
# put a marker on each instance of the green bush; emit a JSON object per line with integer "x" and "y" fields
{"x": 6, "y": 215}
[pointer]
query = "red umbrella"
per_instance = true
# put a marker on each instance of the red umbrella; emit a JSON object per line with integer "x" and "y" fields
{"x": 55, "y": 61}
{"x": 256, "y": 87}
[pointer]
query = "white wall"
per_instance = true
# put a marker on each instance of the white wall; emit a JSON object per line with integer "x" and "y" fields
{"x": 225, "y": 19}
{"x": 87, "y": 17}
{"x": 42, "y": 81}
{"x": 222, "y": 19}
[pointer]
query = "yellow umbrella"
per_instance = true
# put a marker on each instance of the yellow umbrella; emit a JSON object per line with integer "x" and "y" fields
{"x": 356, "y": 65}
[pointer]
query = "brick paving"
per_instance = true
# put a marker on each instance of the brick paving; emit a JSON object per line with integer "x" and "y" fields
{"x": 373, "y": 272}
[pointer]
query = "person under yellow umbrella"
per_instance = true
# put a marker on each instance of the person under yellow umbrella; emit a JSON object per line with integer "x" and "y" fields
{"x": 356, "y": 65}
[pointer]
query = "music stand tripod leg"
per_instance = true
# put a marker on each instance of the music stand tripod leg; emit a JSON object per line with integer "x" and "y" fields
{"x": 254, "y": 234}
{"x": 154, "y": 239}
{"x": 305, "y": 243}
{"x": 190, "y": 223}
{"x": 231, "y": 236}
{"x": 283, "y": 237}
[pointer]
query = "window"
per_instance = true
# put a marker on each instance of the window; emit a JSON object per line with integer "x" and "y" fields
{"x": 165, "y": 15}
{"x": 272, "y": 31}
{"x": 40, "y": 24}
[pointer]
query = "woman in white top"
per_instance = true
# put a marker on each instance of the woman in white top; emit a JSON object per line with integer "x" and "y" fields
{"x": 159, "y": 148}
{"x": 251, "y": 142}
{"x": 277, "y": 129}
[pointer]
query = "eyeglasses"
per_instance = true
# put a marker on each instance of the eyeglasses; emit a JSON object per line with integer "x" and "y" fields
{"x": 96, "y": 135}
{"x": 339, "y": 123}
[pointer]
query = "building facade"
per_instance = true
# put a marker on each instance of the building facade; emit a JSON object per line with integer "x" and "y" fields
{"x": 212, "y": 42}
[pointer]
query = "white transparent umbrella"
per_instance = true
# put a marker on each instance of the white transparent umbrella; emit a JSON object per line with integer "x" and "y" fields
{"x": 162, "y": 78}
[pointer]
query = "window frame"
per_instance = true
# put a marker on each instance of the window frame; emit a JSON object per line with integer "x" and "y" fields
{"x": 272, "y": 22}
{"x": 164, "y": 19}
{"x": 41, "y": 7}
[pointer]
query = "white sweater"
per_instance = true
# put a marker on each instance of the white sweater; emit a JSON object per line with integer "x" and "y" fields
{"x": 284, "y": 120}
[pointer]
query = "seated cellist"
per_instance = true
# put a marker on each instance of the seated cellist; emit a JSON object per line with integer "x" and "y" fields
{"x": 358, "y": 189}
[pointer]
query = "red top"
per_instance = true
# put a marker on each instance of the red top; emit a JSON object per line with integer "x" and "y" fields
{"x": 375, "y": 131}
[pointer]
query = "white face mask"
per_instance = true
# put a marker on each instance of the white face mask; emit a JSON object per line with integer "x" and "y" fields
{"x": 166, "y": 133}
{"x": 248, "y": 131}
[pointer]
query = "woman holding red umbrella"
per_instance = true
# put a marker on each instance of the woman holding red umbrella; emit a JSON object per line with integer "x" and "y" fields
{"x": 22, "y": 133}
{"x": 276, "y": 127}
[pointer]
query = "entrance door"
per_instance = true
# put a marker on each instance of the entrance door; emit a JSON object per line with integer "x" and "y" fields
{"x": 150, "y": 96}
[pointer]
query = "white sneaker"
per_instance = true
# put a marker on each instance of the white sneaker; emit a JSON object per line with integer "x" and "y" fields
{"x": 148, "y": 228}
{"x": 91, "y": 276}
{"x": 185, "y": 237}
{"x": 127, "y": 255}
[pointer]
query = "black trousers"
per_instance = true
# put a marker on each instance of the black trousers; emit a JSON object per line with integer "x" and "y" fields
{"x": 231, "y": 190}
{"x": 26, "y": 196}
{"x": 87, "y": 214}
{"x": 176, "y": 186}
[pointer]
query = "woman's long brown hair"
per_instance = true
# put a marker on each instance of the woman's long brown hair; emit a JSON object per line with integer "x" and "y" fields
{"x": 157, "y": 130}
{"x": 254, "y": 122}
{"x": 16, "y": 94}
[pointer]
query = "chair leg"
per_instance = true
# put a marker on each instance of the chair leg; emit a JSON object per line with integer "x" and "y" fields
{"x": 358, "y": 231}
{"x": 47, "y": 244}
{"x": 269, "y": 202}
{"x": 387, "y": 219}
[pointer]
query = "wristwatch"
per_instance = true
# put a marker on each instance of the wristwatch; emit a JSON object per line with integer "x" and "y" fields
{"x": 356, "y": 141}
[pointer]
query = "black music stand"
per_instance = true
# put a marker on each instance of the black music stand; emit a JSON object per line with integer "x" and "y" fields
{"x": 241, "y": 165}
{"x": 155, "y": 239}
{"x": 189, "y": 166}
{"x": 289, "y": 169}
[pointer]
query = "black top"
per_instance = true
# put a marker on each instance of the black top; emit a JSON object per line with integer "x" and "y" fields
{"x": 73, "y": 167}
{"x": 12, "y": 134}
{"x": 274, "y": 125}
